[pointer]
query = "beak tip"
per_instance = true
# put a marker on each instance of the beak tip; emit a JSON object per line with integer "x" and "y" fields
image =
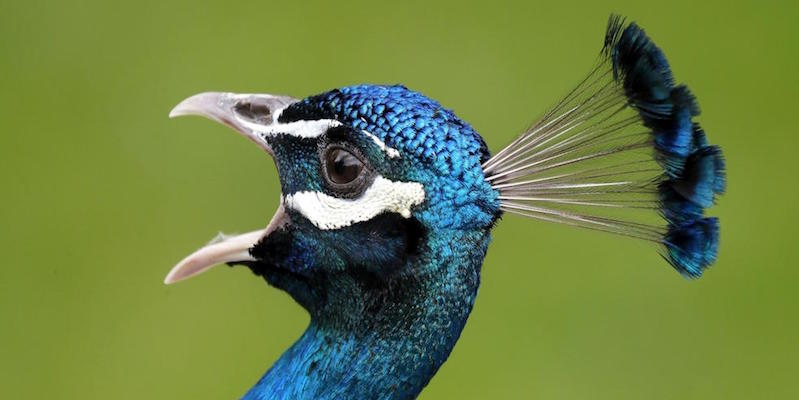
{"x": 180, "y": 110}
{"x": 170, "y": 278}
{"x": 230, "y": 249}
{"x": 175, "y": 113}
{"x": 206, "y": 104}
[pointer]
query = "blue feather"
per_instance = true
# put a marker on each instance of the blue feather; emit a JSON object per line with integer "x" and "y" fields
{"x": 700, "y": 139}
{"x": 692, "y": 247}
{"x": 694, "y": 170}
{"x": 641, "y": 67}
{"x": 674, "y": 134}
{"x": 719, "y": 165}
{"x": 703, "y": 176}
{"x": 675, "y": 208}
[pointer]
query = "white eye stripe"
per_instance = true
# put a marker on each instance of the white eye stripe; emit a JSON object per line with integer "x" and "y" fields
{"x": 384, "y": 195}
{"x": 390, "y": 151}
{"x": 301, "y": 129}
{"x": 306, "y": 129}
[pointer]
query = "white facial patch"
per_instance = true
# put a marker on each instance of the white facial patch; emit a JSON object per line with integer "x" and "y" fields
{"x": 328, "y": 212}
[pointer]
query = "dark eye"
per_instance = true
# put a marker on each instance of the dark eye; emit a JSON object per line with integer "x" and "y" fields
{"x": 342, "y": 166}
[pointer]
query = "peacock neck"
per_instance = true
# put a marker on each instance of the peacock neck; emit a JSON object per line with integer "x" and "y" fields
{"x": 388, "y": 343}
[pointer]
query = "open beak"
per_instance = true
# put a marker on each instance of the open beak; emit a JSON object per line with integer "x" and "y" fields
{"x": 245, "y": 113}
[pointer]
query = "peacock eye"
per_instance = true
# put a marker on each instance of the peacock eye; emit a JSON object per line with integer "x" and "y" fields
{"x": 342, "y": 166}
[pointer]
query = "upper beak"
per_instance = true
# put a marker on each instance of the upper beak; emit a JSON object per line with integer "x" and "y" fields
{"x": 245, "y": 113}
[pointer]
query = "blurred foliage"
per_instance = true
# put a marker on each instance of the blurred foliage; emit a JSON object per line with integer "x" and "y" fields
{"x": 102, "y": 194}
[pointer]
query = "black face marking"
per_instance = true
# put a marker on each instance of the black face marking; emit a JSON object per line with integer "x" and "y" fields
{"x": 304, "y": 111}
{"x": 310, "y": 264}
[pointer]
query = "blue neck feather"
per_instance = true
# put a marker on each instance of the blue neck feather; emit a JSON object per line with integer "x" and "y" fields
{"x": 361, "y": 347}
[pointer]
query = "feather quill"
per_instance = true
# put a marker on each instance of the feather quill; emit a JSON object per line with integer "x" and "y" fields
{"x": 620, "y": 153}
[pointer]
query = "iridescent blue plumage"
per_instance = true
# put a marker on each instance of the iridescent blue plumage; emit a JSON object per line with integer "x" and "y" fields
{"x": 388, "y": 297}
{"x": 641, "y": 67}
{"x": 695, "y": 169}
{"x": 675, "y": 207}
{"x": 692, "y": 246}
{"x": 388, "y": 200}
{"x": 370, "y": 341}
{"x": 673, "y": 131}
{"x": 702, "y": 176}
{"x": 438, "y": 148}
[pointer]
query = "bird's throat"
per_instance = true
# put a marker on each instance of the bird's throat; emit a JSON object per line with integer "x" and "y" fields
{"x": 387, "y": 343}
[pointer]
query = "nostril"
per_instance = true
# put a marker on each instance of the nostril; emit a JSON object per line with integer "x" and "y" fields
{"x": 253, "y": 111}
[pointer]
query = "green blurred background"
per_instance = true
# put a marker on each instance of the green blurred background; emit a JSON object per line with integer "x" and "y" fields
{"x": 102, "y": 194}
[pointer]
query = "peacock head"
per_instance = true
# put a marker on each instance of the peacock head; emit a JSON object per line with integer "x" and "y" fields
{"x": 387, "y": 201}
{"x": 370, "y": 176}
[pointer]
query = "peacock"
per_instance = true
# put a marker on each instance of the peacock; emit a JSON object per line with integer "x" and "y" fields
{"x": 388, "y": 200}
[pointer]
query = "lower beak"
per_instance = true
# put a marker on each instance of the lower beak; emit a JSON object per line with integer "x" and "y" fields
{"x": 245, "y": 113}
{"x": 223, "y": 250}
